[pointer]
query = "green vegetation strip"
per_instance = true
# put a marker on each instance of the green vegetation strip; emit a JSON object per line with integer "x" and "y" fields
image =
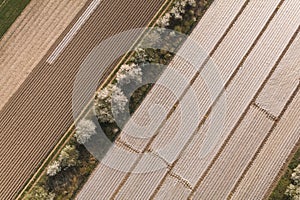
{"x": 9, "y": 11}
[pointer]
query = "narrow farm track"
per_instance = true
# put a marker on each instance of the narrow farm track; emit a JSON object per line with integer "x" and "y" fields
{"x": 259, "y": 65}
{"x": 39, "y": 112}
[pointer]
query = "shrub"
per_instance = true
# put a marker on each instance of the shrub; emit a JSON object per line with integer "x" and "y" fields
{"x": 129, "y": 73}
{"x": 39, "y": 193}
{"x": 84, "y": 130}
{"x": 110, "y": 95}
{"x": 53, "y": 168}
{"x": 68, "y": 156}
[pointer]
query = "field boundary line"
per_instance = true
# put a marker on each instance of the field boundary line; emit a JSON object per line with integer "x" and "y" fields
{"x": 70, "y": 132}
{"x": 181, "y": 180}
{"x": 267, "y": 113}
{"x": 125, "y": 145}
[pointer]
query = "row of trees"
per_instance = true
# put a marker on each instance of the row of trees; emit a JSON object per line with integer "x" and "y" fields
{"x": 74, "y": 161}
{"x": 111, "y": 100}
{"x": 68, "y": 157}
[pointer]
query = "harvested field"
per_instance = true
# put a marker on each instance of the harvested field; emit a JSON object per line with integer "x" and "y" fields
{"x": 39, "y": 112}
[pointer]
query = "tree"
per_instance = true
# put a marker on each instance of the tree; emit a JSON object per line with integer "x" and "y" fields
{"x": 53, "y": 168}
{"x": 84, "y": 130}
{"x": 177, "y": 12}
{"x": 296, "y": 175}
{"x": 110, "y": 95}
{"x": 39, "y": 193}
{"x": 293, "y": 192}
{"x": 68, "y": 157}
{"x": 129, "y": 73}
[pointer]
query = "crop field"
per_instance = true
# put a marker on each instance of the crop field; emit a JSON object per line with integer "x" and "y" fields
{"x": 260, "y": 69}
{"x": 38, "y": 112}
{"x": 222, "y": 127}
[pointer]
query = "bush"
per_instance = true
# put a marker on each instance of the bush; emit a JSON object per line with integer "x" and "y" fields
{"x": 84, "y": 130}
{"x": 53, "y": 168}
{"x": 39, "y": 193}
{"x": 110, "y": 95}
{"x": 68, "y": 156}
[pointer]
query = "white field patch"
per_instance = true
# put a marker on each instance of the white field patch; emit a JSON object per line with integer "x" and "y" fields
{"x": 70, "y": 35}
{"x": 282, "y": 83}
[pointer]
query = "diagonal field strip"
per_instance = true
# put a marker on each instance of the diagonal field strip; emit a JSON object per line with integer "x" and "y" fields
{"x": 277, "y": 148}
{"x": 70, "y": 35}
{"x": 282, "y": 83}
{"x": 39, "y": 113}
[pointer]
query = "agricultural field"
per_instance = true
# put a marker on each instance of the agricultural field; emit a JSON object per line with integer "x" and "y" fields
{"x": 259, "y": 60}
{"x": 105, "y": 119}
{"x": 30, "y": 37}
{"x": 38, "y": 96}
{"x": 220, "y": 121}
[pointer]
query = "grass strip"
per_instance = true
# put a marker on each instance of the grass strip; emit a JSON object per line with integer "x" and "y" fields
{"x": 285, "y": 180}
